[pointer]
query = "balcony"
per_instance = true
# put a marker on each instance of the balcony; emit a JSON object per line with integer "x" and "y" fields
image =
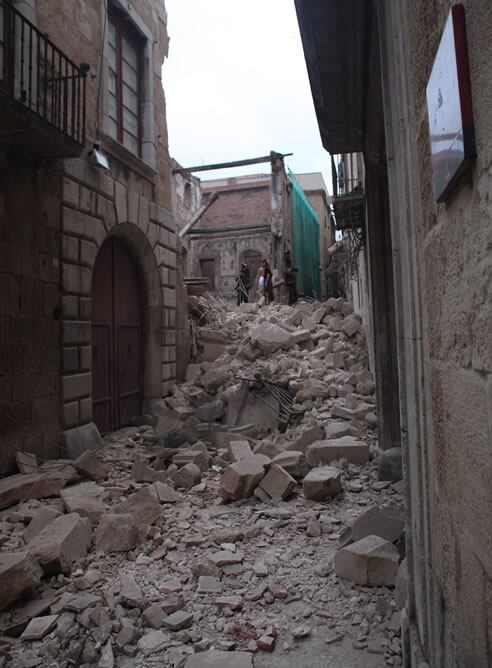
{"x": 348, "y": 201}
{"x": 42, "y": 92}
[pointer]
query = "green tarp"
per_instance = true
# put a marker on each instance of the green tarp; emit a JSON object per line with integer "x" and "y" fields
{"x": 305, "y": 242}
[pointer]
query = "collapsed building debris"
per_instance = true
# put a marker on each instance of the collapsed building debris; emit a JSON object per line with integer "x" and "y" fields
{"x": 238, "y": 509}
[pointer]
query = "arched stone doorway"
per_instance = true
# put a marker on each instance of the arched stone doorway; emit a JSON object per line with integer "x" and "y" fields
{"x": 117, "y": 334}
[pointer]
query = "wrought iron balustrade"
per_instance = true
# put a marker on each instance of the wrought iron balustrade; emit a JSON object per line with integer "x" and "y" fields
{"x": 39, "y": 77}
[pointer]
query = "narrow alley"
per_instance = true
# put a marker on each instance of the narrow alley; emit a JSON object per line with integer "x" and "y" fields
{"x": 245, "y": 333}
{"x": 224, "y": 538}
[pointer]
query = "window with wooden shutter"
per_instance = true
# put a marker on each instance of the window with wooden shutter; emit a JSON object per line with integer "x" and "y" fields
{"x": 124, "y": 103}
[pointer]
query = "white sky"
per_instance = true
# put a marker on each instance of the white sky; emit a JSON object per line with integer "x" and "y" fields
{"x": 237, "y": 87}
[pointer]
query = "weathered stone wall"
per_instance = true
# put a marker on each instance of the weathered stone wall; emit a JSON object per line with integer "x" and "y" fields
{"x": 443, "y": 268}
{"x": 62, "y": 216}
{"x": 227, "y": 248}
{"x": 30, "y": 307}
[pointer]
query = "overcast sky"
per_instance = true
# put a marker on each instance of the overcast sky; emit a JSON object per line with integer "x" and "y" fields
{"x": 237, "y": 87}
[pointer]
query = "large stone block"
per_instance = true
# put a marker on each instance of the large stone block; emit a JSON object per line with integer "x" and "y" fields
{"x": 239, "y": 449}
{"x": 142, "y": 505}
{"x": 116, "y": 533}
{"x": 19, "y": 571}
{"x": 387, "y": 523}
{"x": 308, "y": 436}
{"x": 43, "y": 517}
{"x": 322, "y": 483}
{"x": 240, "y": 479}
{"x": 188, "y": 476}
{"x": 293, "y": 461}
{"x": 86, "y": 499}
{"x": 324, "y": 452}
{"x": 269, "y": 337}
{"x": 61, "y": 543}
{"x": 16, "y": 488}
{"x": 278, "y": 484}
{"x": 390, "y": 464}
{"x": 370, "y": 561}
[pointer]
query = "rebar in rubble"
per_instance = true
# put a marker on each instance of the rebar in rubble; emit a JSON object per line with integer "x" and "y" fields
{"x": 259, "y": 386}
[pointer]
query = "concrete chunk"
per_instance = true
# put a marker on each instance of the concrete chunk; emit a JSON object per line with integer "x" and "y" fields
{"x": 370, "y": 561}
{"x": 240, "y": 479}
{"x": 324, "y": 452}
{"x": 61, "y": 543}
{"x": 86, "y": 500}
{"x": 322, "y": 483}
{"x": 116, "y": 532}
{"x": 278, "y": 484}
{"x": 19, "y": 571}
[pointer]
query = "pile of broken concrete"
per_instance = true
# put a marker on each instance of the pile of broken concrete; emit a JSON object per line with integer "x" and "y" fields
{"x": 182, "y": 539}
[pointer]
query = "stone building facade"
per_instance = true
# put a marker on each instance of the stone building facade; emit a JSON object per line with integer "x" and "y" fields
{"x": 68, "y": 336}
{"x": 429, "y": 280}
{"x": 248, "y": 220}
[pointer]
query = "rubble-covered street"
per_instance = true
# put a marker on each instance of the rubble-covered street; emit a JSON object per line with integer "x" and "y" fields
{"x": 243, "y": 524}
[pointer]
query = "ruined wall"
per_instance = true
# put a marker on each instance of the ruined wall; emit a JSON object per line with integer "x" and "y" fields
{"x": 442, "y": 256}
{"x": 29, "y": 307}
{"x": 227, "y": 249}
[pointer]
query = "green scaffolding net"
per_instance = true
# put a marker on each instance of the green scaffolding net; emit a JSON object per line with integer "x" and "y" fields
{"x": 305, "y": 242}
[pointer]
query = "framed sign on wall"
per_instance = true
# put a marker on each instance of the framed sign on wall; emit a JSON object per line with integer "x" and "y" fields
{"x": 449, "y": 107}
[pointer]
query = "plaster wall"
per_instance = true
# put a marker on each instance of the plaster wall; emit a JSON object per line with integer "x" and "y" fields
{"x": 443, "y": 268}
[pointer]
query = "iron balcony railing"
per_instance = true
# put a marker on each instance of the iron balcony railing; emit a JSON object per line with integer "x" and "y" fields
{"x": 38, "y": 75}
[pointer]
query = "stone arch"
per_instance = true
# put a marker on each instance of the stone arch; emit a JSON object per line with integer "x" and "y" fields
{"x": 76, "y": 382}
{"x": 139, "y": 244}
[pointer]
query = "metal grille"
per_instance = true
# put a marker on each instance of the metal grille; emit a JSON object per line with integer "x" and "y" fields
{"x": 35, "y": 73}
{"x": 263, "y": 390}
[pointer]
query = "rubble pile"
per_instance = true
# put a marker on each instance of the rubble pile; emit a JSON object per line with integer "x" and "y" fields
{"x": 243, "y": 517}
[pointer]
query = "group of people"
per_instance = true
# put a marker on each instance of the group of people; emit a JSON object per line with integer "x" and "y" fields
{"x": 243, "y": 281}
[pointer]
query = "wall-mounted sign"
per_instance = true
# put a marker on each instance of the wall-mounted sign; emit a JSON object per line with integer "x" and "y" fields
{"x": 449, "y": 106}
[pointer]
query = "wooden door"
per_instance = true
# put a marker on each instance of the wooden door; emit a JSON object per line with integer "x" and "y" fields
{"x": 116, "y": 337}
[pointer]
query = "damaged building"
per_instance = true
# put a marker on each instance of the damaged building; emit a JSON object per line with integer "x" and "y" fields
{"x": 88, "y": 261}
{"x": 413, "y": 97}
{"x": 226, "y": 222}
